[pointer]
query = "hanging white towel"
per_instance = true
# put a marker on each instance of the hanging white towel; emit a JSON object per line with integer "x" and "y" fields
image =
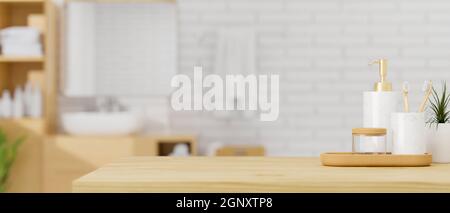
{"x": 235, "y": 55}
{"x": 235, "y": 52}
{"x": 78, "y": 77}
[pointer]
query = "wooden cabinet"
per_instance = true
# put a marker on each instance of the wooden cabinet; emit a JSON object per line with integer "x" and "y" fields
{"x": 46, "y": 161}
{"x": 16, "y": 70}
{"x": 50, "y": 163}
{"x": 241, "y": 151}
{"x": 67, "y": 158}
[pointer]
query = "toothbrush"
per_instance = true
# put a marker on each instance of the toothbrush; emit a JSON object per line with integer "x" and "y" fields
{"x": 427, "y": 87}
{"x": 405, "y": 96}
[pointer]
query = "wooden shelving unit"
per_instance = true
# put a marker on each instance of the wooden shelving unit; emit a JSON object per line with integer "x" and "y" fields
{"x": 14, "y": 70}
{"x": 36, "y": 125}
{"x": 47, "y": 161}
{"x": 22, "y": 1}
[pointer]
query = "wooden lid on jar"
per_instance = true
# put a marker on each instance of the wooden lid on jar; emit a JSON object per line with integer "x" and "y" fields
{"x": 369, "y": 131}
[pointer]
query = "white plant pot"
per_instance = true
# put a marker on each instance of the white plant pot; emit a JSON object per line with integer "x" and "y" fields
{"x": 438, "y": 142}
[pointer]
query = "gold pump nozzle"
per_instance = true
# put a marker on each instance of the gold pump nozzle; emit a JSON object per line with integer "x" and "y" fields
{"x": 383, "y": 85}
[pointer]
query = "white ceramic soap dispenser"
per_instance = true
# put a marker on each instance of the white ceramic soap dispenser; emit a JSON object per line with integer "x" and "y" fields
{"x": 377, "y": 108}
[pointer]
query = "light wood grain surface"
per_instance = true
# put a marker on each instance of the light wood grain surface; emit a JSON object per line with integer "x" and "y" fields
{"x": 257, "y": 174}
{"x": 5, "y": 59}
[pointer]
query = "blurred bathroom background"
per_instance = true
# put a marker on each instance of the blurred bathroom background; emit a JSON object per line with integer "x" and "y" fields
{"x": 123, "y": 55}
{"x": 320, "y": 49}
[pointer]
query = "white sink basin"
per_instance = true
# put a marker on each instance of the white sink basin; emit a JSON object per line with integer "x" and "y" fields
{"x": 101, "y": 123}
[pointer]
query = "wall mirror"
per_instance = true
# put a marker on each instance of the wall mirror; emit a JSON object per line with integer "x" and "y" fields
{"x": 118, "y": 48}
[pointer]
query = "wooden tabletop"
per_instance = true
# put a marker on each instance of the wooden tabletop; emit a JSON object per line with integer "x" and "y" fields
{"x": 257, "y": 174}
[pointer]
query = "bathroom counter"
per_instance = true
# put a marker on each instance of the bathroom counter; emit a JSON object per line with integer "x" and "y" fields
{"x": 257, "y": 174}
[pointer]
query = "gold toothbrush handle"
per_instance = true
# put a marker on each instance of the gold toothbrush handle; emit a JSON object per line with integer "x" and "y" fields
{"x": 405, "y": 102}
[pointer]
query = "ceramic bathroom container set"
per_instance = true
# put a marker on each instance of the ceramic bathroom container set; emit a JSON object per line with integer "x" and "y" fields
{"x": 406, "y": 130}
{"x": 25, "y": 102}
{"x": 390, "y": 137}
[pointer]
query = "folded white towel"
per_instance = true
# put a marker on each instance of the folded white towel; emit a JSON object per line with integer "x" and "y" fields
{"x": 20, "y": 35}
{"x": 14, "y": 49}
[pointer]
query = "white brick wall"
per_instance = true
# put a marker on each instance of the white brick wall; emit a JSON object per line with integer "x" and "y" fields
{"x": 321, "y": 49}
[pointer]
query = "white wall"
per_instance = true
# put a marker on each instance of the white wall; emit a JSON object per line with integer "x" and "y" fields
{"x": 321, "y": 49}
{"x": 115, "y": 49}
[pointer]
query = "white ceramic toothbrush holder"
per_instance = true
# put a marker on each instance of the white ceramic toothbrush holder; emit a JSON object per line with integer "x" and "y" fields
{"x": 408, "y": 131}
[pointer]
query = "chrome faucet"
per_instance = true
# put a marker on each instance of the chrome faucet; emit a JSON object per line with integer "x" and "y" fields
{"x": 109, "y": 104}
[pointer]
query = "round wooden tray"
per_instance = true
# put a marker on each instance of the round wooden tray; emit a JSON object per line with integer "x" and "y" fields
{"x": 368, "y": 160}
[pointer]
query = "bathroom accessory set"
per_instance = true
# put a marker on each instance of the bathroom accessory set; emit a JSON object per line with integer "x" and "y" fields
{"x": 358, "y": 157}
{"x": 389, "y": 137}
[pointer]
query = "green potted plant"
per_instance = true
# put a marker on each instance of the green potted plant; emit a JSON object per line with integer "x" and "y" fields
{"x": 439, "y": 131}
{"x": 8, "y": 152}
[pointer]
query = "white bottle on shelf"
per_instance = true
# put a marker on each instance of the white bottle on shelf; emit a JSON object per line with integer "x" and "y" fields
{"x": 18, "y": 106}
{"x": 6, "y": 104}
{"x": 27, "y": 94}
{"x": 36, "y": 102}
